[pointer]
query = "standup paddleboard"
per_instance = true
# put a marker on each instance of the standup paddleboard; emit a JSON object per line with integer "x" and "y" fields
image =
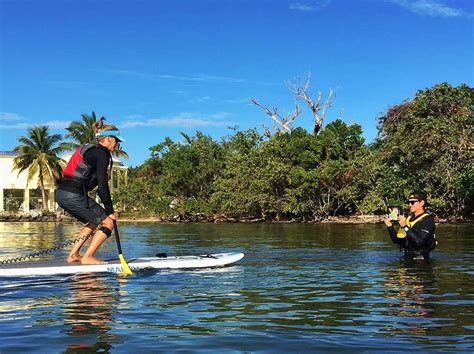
{"x": 114, "y": 266}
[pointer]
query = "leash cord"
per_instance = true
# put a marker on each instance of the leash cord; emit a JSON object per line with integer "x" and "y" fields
{"x": 28, "y": 257}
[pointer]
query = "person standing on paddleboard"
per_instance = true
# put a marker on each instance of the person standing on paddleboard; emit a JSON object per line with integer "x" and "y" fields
{"x": 89, "y": 168}
{"x": 416, "y": 235}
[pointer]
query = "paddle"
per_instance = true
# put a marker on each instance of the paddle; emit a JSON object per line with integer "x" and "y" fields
{"x": 125, "y": 267}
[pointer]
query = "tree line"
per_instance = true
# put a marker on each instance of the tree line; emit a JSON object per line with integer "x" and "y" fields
{"x": 423, "y": 143}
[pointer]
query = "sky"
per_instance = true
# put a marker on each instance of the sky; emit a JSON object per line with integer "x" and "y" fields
{"x": 156, "y": 68}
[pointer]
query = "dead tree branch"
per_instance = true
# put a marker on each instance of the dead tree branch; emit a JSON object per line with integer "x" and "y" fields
{"x": 318, "y": 107}
{"x": 281, "y": 124}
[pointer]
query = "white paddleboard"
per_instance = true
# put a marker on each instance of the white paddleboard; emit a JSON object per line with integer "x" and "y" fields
{"x": 114, "y": 266}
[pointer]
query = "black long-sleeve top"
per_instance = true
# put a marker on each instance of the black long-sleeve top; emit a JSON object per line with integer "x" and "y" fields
{"x": 420, "y": 238}
{"x": 99, "y": 159}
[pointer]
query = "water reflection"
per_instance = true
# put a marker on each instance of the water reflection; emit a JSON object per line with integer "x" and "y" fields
{"x": 409, "y": 284}
{"x": 21, "y": 238}
{"x": 300, "y": 288}
{"x": 18, "y": 239}
{"x": 89, "y": 312}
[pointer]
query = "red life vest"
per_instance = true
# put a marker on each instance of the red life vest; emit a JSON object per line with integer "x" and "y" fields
{"x": 77, "y": 168}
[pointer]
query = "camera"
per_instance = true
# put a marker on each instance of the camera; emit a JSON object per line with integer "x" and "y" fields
{"x": 394, "y": 213}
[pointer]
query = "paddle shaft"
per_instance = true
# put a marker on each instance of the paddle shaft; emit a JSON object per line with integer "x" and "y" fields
{"x": 126, "y": 268}
{"x": 117, "y": 237}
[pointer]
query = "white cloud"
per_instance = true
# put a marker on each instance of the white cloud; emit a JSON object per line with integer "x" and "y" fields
{"x": 200, "y": 99}
{"x": 182, "y": 120}
{"x": 310, "y": 5}
{"x": 7, "y": 116}
{"x": 15, "y": 126}
{"x": 67, "y": 84}
{"x": 54, "y": 124}
{"x": 435, "y": 8}
{"x": 238, "y": 100}
{"x": 220, "y": 78}
{"x": 199, "y": 78}
{"x": 177, "y": 92}
{"x": 134, "y": 116}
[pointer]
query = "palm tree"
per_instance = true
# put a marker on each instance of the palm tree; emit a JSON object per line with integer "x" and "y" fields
{"x": 82, "y": 132}
{"x": 39, "y": 154}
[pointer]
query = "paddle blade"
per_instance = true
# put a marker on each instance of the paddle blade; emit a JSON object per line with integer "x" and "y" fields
{"x": 125, "y": 267}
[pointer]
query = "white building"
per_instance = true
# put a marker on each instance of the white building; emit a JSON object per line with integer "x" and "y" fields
{"x": 16, "y": 194}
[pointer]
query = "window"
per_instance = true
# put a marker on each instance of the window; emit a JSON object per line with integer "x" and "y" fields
{"x": 36, "y": 199}
{"x": 13, "y": 199}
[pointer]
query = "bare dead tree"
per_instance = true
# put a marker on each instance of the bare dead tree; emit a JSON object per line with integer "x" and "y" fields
{"x": 318, "y": 107}
{"x": 280, "y": 124}
{"x": 266, "y": 131}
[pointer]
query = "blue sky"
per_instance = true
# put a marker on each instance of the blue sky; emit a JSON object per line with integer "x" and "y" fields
{"x": 155, "y": 68}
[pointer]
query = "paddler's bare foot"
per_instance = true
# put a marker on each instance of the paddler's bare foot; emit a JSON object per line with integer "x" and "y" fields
{"x": 74, "y": 258}
{"x": 91, "y": 260}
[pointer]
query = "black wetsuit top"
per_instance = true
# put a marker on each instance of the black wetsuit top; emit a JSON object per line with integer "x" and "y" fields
{"x": 420, "y": 239}
{"x": 99, "y": 159}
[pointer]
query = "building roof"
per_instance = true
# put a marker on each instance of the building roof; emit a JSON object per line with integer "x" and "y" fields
{"x": 9, "y": 153}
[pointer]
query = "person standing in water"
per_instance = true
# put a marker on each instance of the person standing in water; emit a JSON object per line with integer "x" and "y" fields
{"x": 416, "y": 235}
{"x": 89, "y": 168}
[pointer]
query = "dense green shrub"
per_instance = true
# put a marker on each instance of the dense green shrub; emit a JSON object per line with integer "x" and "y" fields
{"x": 424, "y": 143}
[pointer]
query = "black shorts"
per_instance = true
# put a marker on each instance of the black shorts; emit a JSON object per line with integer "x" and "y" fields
{"x": 76, "y": 205}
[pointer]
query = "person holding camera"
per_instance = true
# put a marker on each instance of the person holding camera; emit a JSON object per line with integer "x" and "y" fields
{"x": 416, "y": 235}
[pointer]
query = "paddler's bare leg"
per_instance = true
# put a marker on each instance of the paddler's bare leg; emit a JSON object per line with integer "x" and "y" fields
{"x": 84, "y": 234}
{"x": 100, "y": 236}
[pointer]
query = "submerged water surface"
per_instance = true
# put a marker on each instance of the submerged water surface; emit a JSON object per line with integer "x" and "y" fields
{"x": 300, "y": 288}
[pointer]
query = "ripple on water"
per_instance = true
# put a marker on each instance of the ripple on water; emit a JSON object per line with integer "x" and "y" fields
{"x": 295, "y": 291}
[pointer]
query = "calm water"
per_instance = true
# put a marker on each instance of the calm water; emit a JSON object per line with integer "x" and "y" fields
{"x": 300, "y": 288}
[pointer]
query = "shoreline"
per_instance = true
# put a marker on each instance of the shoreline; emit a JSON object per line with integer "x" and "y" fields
{"x": 216, "y": 219}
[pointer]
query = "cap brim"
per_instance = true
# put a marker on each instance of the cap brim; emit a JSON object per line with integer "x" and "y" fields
{"x": 113, "y": 133}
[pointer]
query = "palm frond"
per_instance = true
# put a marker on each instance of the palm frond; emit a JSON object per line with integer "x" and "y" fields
{"x": 38, "y": 154}
{"x": 82, "y": 131}
{"x": 120, "y": 153}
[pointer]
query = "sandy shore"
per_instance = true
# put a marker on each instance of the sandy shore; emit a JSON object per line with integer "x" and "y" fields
{"x": 201, "y": 218}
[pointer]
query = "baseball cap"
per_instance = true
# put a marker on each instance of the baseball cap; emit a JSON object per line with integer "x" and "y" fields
{"x": 114, "y": 133}
{"x": 418, "y": 195}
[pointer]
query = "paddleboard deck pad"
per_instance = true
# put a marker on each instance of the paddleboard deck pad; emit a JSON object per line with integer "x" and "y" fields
{"x": 114, "y": 266}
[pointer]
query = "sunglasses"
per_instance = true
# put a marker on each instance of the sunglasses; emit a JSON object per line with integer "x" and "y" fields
{"x": 412, "y": 202}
